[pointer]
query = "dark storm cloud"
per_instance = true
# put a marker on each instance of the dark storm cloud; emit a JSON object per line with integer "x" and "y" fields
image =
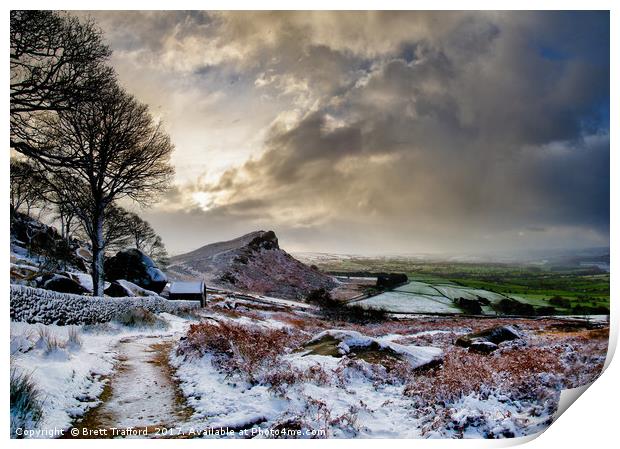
{"x": 441, "y": 130}
{"x": 309, "y": 142}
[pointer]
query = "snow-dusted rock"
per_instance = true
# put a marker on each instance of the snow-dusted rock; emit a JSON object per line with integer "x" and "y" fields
{"x": 60, "y": 283}
{"x": 483, "y": 347}
{"x": 117, "y": 290}
{"x": 136, "y": 267}
{"x": 42, "y": 241}
{"x": 347, "y": 342}
{"x": 84, "y": 253}
{"x": 23, "y": 271}
{"x": 494, "y": 335}
{"x": 84, "y": 279}
{"x": 136, "y": 289}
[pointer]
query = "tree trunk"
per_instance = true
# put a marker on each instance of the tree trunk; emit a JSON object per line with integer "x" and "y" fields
{"x": 68, "y": 227}
{"x": 98, "y": 253}
{"x": 62, "y": 226}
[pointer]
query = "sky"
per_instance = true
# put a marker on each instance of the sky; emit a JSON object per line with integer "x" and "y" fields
{"x": 376, "y": 132}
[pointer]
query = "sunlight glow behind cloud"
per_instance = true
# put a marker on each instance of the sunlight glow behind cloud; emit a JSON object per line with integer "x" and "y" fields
{"x": 369, "y": 132}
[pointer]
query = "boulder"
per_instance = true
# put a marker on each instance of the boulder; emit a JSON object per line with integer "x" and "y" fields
{"x": 61, "y": 284}
{"x": 339, "y": 342}
{"x": 482, "y": 346}
{"x": 23, "y": 272}
{"x": 135, "y": 290}
{"x": 84, "y": 279}
{"x": 479, "y": 341}
{"x": 136, "y": 267}
{"x": 117, "y": 290}
{"x": 84, "y": 253}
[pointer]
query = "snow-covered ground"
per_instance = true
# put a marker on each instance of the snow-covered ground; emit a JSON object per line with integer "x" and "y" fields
{"x": 420, "y": 297}
{"x": 345, "y": 397}
{"x": 280, "y": 376}
{"x": 258, "y": 366}
{"x": 405, "y": 302}
{"x": 345, "y": 405}
{"x": 70, "y": 373}
{"x": 69, "y": 378}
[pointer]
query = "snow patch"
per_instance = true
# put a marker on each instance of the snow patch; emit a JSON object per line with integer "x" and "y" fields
{"x": 417, "y": 356}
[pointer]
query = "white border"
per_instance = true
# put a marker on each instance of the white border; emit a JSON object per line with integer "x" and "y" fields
{"x": 591, "y": 422}
{"x": 314, "y": 5}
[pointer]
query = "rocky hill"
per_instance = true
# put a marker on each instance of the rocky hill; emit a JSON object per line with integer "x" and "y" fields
{"x": 253, "y": 263}
{"x": 42, "y": 258}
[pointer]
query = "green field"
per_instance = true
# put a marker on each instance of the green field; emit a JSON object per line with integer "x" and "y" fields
{"x": 579, "y": 290}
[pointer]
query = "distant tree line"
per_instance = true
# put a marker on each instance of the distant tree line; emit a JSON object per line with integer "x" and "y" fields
{"x": 85, "y": 142}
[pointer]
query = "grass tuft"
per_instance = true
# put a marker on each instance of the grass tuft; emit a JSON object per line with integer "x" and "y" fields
{"x": 48, "y": 340}
{"x": 74, "y": 340}
{"x": 26, "y": 403}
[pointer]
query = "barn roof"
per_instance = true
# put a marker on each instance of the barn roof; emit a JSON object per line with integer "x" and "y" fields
{"x": 187, "y": 287}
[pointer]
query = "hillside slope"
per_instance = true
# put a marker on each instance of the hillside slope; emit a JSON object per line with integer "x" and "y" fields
{"x": 253, "y": 263}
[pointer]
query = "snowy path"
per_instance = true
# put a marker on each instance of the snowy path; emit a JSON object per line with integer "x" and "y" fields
{"x": 141, "y": 394}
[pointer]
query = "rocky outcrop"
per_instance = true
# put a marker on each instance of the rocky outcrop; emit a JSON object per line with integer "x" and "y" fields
{"x": 353, "y": 344}
{"x": 22, "y": 273}
{"x": 265, "y": 240}
{"x": 61, "y": 284}
{"x": 117, "y": 290}
{"x": 44, "y": 241}
{"x": 487, "y": 341}
{"x": 253, "y": 263}
{"x": 136, "y": 267}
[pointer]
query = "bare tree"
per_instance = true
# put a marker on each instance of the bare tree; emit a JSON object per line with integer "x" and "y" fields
{"x": 116, "y": 230}
{"x": 146, "y": 239}
{"x": 26, "y": 184}
{"x": 100, "y": 151}
{"x": 141, "y": 231}
{"x": 67, "y": 217}
{"x": 157, "y": 251}
{"x": 56, "y": 62}
{"x": 53, "y": 198}
{"x": 117, "y": 233}
{"x": 127, "y": 229}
